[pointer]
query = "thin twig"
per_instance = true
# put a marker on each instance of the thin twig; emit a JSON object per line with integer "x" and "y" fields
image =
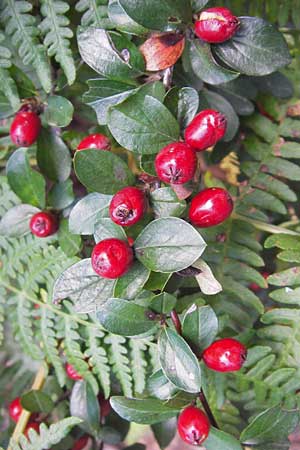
{"x": 207, "y": 409}
{"x": 176, "y": 321}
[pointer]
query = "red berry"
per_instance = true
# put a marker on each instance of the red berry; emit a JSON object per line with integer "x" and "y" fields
{"x": 216, "y": 25}
{"x": 98, "y": 141}
{"x": 15, "y": 409}
{"x": 130, "y": 241}
{"x": 176, "y": 163}
{"x": 111, "y": 258}
{"x": 127, "y": 206}
{"x": 254, "y": 287}
{"x": 32, "y": 426}
{"x": 71, "y": 372}
{"x": 206, "y": 129}
{"x": 25, "y": 128}
{"x": 81, "y": 443}
{"x": 43, "y": 224}
{"x": 193, "y": 425}
{"x": 105, "y": 407}
{"x": 225, "y": 355}
{"x": 210, "y": 207}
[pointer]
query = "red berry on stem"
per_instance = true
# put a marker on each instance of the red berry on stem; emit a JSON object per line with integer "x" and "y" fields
{"x": 127, "y": 206}
{"x": 81, "y": 443}
{"x": 176, "y": 163}
{"x": 32, "y": 426}
{"x": 25, "y": 128}
{"x": 111, "y": 258}
{"x": 43, "y": 224}
{"x": 193, "y": 425}
{"x": 71, "y": 373}
{"x": 206, "y": 129}
{"x": 15, "y": 409}
{"x": 98, "y": 141}
{"x": 225, "y": 355}
{"x": 216, "y": 25}
{"x": 210, "y": 207}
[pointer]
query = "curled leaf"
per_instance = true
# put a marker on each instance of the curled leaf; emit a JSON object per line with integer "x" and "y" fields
{"x": 162, "y": 50}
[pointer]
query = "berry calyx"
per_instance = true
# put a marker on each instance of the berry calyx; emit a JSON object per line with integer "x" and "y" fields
{"x": 111, "y": 258}
{"x": 225, "y": 355}
{"x": 43, "y": 224}
{"x": 193, "y": 425}
{"x": 81, "y": 443}
{"x": 127, "y": 206}
{"x": 15, "y": 409}
{"x": 216, "y": 25}
{"x": 72, "y": 373}
{"x": 32, "y": 426}
{"x": 176, "y": 163}
{"x": 206, "y": 129}
{"x": 210, "y": 207}
{"x": 97, "y": 141}
{"x": 25, "y": 128}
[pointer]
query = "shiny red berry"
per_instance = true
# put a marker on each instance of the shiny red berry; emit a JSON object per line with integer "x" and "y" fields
{"x": 176, "y": 163}
{"x": 15, "y": 409}
{"x": 216, "y": 25}
{"x": 210, "y": 207}
{"x": 98, "y": 141}
{"x": 43, "y": 224}
{"x": 81, "y": 443}
{"x": 25, "y": 128}
{"x": 225, "y": 355}
{"x": 71, "y": 373}
{"x": 111, "y": 258}
{"x": 127, "y": 206}
{"x": 205, "y": 130}
{"x": 32, "y": 426}
{"x": 193, "y": 426}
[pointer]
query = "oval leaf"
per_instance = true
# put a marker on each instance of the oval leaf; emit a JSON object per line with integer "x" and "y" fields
{"x": 131, "y": 284}
{"x": 85, "y": 405}
{"x": 37, "y": 401}
{"x": 15, "y": 221}
{"x": 218, "y": 440}
{"x": 165, "y": 203}
{"x": 162, "y": 50}
{"x": 59, "y": 111}
{"x": 200, "y": 326}
{"x": 87, "y": 212}
{"x": 105, "y": 228}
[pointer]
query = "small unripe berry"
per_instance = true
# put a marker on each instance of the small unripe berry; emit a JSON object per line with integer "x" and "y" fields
{"x": 176, "y": 163}
{"x": 205, "y": 130}
{"x": 43, "y": 224}
{"x": 210, "y": 207}
{"x": 111, "y": 258}
{"x": 193, "y": 426}
{"x": 72, "y": 373}
{"x": 25, "y": 128}
{"x": 81, "y": 443}
{"x": 32, "y": 426}
{"x": 216, "y": 25}
{"x": 127, "y": 206}
{"x": 15, "y": 409}
{"x": 97, "y": 141}
{"x": 225, "y": 355}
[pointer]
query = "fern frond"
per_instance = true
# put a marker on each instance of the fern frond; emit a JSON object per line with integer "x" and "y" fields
{"x": 21, "y": 27}
{"x": 2, "y": 314}
{"x": 94, "y": 13}
{"x": 7, "y": 83}
{"x": 138, "y": 348}
{"x": 118, "y": 356}
{"x": 56, "y": 33}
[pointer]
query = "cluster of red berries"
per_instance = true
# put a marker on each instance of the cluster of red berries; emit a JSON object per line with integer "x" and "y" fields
{"x": 216, "y": 25}
{"x": 224, "y": 355}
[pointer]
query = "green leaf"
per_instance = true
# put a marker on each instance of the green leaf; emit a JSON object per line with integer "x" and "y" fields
{"x": 257, "y": 48}
{"x": 85, "y": 405}
{"x": 164, "y": 432}
{"x": 59, "y": 111}
{"x": 200, "y": 326}
{"x": 68, "y": 242}
{"x": 9, "y": 88}
{"x": 197, "y": 5}
{"x": 83, "y": 286}
{"x": 122, "y": 317}
{"x": 178, "y": 362}
{"x": 131, "y": 284}
{"x": 205, "y": 66}
{"x": 218, "y": 440}
{"x": 57, "y": 35}
{"x": 157, "y": 281}
{"x": 165, "y": 203}
{"x": 37, "y": 401}
{"x": 168, "y": 245}
{"x": 155, "y": 14}
{"x": 122, "y": 21}
{"x": 163, "y": 303}
{"x": 15, "y": 221}
{"x": 102, "y": 171}
{"x": 145, "y": 411}
{"x": 288, "y": 277}
{"x": 105, "y": 228}
{"x": 28, "y": 184}
{"x": 142, "y": 124}
{"x": 271, "y": 425}
{"x": 104, "y": 52}
{"x": 61, "y": 195}
{"x": 87, "y": 212}
{"x": 53, "y": 155}
{"x": 187, "y": 104}
{"x": 160, "y": 387}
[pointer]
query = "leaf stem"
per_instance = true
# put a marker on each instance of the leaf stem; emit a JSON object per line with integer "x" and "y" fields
{"x": 207, "y": 409}
{"x": 176, "y": 321}
{"x": 269, "y": 228}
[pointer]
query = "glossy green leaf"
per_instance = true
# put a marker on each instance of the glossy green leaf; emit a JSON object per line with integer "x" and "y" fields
{"x": 122, "y": 21}
{"x": 53, "y": 155}
{"x": 168, "y": 245}
{"x": 178, "y": 362}
{"x": 157, "y": 281}
{"x": 105, "y": 228}
{"x": 218, "y": 440}
{"x": 102, "y": 171}
{"x": 15, "y": 221}
{"x": 58, "y": 111}
{"x": 160, "y": 387}
{"x": 61, "y": 195}
{"x": 165, "y": 431}
{"x": 200, "y": 326}
{"x": 37, "y": 401}
{"x": 184, "y": 102}
{"x": 28, "y": 184}
{"x": 165, "y": 203}
{"x": 131, "y": 284}
{"x": 87, "y": 212}
{"x": 69, "y": 243}
{"x": 163, "y": 303}
{"x": 85, "y": 405}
